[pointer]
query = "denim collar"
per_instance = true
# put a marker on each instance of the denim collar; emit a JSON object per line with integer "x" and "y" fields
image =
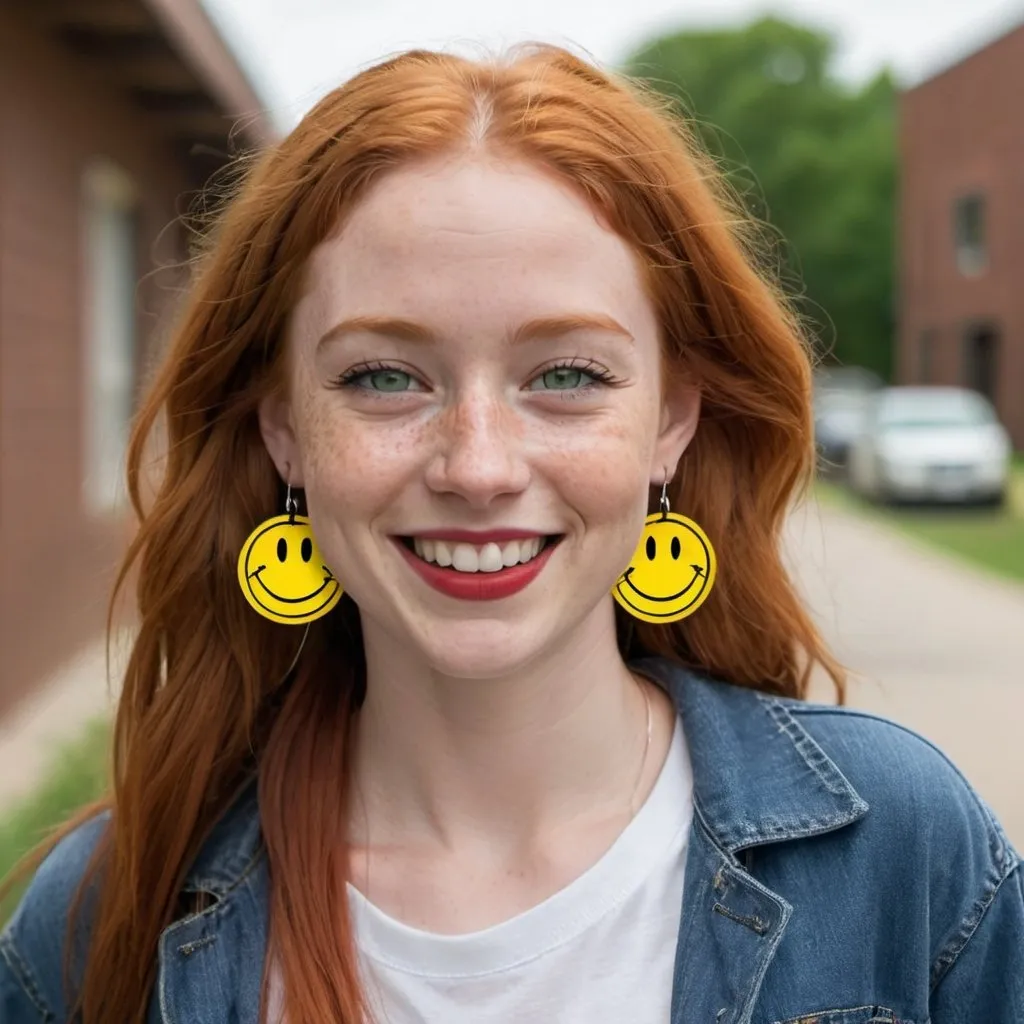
{"x": 759, "y": 777}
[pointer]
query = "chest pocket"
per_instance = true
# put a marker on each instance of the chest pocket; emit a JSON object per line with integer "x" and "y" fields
{"x": 856, "y": 1015}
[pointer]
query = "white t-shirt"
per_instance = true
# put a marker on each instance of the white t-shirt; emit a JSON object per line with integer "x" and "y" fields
{"x": 602, "y": 948}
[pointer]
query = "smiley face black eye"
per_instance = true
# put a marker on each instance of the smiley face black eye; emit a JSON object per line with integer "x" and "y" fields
{"x": 282, "y": 549}
{"x": 677, "y": 548}
{"x": 307, "y": 549}
{"x": 652, "y": 549}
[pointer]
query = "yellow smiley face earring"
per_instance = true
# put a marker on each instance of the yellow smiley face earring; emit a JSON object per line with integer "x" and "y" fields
{"x": 672, "y": 570}
{"x": 282, "y": 573}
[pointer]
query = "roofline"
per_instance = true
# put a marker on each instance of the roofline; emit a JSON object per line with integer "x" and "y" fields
{"x": 189, "y": 29}
{"x": 1015, "y": 26}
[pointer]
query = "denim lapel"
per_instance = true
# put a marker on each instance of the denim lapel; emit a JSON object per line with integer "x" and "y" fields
{"x": 759, "y": 777}
{"x": 211, "y": 964}
{"x": 730, "y": 928}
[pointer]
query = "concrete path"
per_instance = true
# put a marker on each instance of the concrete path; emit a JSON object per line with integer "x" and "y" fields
{"x": 53, "y": 716}
{"x": 930, "y": 642}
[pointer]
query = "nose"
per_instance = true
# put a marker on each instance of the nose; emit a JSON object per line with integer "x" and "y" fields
{"x": 480, "y": 454}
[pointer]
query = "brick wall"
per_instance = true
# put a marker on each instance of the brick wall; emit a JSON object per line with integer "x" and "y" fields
{"x": 56, "y": 561}
{"x": 962, "y": 132}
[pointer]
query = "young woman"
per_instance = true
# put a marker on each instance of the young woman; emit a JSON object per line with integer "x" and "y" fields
{"x": 513, "y": 729}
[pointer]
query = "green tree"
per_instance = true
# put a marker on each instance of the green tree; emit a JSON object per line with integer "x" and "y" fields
{"x": 813, "y": 157}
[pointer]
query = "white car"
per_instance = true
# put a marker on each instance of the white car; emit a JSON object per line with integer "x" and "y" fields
{"x": 931, "y": 444}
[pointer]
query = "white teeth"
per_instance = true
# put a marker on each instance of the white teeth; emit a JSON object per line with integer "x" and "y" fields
{"x": 484, "y": 558}
{"x": 490, "y": 558}
{"x": 465, "y": 558}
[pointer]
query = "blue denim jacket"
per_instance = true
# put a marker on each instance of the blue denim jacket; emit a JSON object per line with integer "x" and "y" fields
{"x": 840, "y": 871}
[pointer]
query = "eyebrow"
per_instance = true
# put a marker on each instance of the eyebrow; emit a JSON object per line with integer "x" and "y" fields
{"x": 538, "y": 329}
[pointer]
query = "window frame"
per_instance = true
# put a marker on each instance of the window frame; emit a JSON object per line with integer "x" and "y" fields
{"x": 971, "y": 253}
{"x": 109, "y": 208}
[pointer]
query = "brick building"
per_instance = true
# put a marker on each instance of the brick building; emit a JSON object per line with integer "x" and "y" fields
{"x": 112, "y": 114}
{"x": 962, "y": 229}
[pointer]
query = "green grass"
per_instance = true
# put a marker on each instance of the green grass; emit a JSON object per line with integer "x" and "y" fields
{"x": 995, "y": 542}
{"x": 992, "y": 540}
{"x": 77, "y": 777}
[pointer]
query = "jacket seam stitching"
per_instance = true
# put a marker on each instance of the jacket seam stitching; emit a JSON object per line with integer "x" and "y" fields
{"x": 257, "y": 855}
{"x": 784, "y": 907}
{"x": 1004, "y": 854}
{"x": 807, "y": 747}
{"x": 210, "y": 914}
{"x": 25, "y": 979}
{"x": 221, "y": 907}
{"x": 879, "y": 1014}
{"x": 968, "y": 927}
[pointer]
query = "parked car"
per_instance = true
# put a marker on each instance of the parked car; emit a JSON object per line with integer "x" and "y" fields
{"x": 845, "y": 378}
{"x": 842, "y": 400}
{"x": 840, "y": 417}
{"x": 931, "y": 444}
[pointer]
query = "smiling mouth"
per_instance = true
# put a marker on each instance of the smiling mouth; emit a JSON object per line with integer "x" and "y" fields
{"x": 492, "y": 557}
{"x": 698, "y": 574}
{"x": 328, "y": 579}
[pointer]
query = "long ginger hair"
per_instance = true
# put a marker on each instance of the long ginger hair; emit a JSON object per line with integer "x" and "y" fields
{"x": 208, "y": 700}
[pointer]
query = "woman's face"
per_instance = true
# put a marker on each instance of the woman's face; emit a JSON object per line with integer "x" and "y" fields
{"x": 475, "y": 412}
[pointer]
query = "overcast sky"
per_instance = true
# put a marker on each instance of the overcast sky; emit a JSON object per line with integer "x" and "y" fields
{"x": 295, "y": 50}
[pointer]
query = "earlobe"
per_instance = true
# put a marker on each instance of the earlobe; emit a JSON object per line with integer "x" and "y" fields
{"x": 278, "y": 435}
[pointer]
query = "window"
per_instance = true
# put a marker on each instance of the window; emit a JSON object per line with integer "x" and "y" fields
{"x": 926, "y": 357}
{"x": 969, "y": 235}
{"x": 109, "y": 275}
{"x": 981, "y": 358}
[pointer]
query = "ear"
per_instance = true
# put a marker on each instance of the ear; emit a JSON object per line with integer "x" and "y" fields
{"x": 278, "y": 432}
{"x": 680, "y": 413}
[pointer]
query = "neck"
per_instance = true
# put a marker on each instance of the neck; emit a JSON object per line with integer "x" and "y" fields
{"x": 559, "y": 742}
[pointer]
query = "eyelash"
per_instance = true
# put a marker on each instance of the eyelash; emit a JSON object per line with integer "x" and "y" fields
{"x": 601, "y": 376}
{"x": 347, "y": 378}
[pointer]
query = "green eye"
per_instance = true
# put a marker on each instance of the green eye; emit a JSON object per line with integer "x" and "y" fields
{"x": 561, "y": 378}
{"x": 388, "y": 380}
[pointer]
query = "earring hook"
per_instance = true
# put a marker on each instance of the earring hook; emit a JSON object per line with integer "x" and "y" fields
{"x": 664, "y": 497}
{"x": 291, "y": 506}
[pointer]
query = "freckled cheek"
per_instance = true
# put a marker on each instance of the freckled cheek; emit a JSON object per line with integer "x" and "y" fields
{"x": 602, "y": 470}
{"x": 357, "y": 466}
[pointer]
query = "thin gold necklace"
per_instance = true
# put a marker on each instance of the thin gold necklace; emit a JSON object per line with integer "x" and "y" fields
{"x": 647, "y": 748}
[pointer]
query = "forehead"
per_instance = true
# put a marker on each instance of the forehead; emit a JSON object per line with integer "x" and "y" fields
{"x": 473, "y": 236}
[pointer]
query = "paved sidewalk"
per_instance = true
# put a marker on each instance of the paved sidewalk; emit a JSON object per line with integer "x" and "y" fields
{"x": 56, "y": 714}
{"x": 930, "y": 642}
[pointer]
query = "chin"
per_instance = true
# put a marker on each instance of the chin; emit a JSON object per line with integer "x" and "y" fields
{"x": 482, "y": 649}
{"x": 411, "y": 629}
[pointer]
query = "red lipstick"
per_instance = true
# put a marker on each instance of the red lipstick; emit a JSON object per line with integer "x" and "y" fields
{"x": 477, "y": 586}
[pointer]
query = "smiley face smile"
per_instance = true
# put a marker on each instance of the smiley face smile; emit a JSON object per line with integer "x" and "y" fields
{"x": 328, "y": 579}
{"x": 650, "y": 587}
{"x": 298, "y": 587}
{"x": 698, "y": 573}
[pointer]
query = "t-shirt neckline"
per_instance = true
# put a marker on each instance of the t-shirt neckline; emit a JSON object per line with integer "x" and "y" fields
{"x": 642, "y": 845}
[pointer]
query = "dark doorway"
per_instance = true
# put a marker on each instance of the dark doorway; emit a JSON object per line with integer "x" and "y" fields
{"x": 981, "y": 363}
